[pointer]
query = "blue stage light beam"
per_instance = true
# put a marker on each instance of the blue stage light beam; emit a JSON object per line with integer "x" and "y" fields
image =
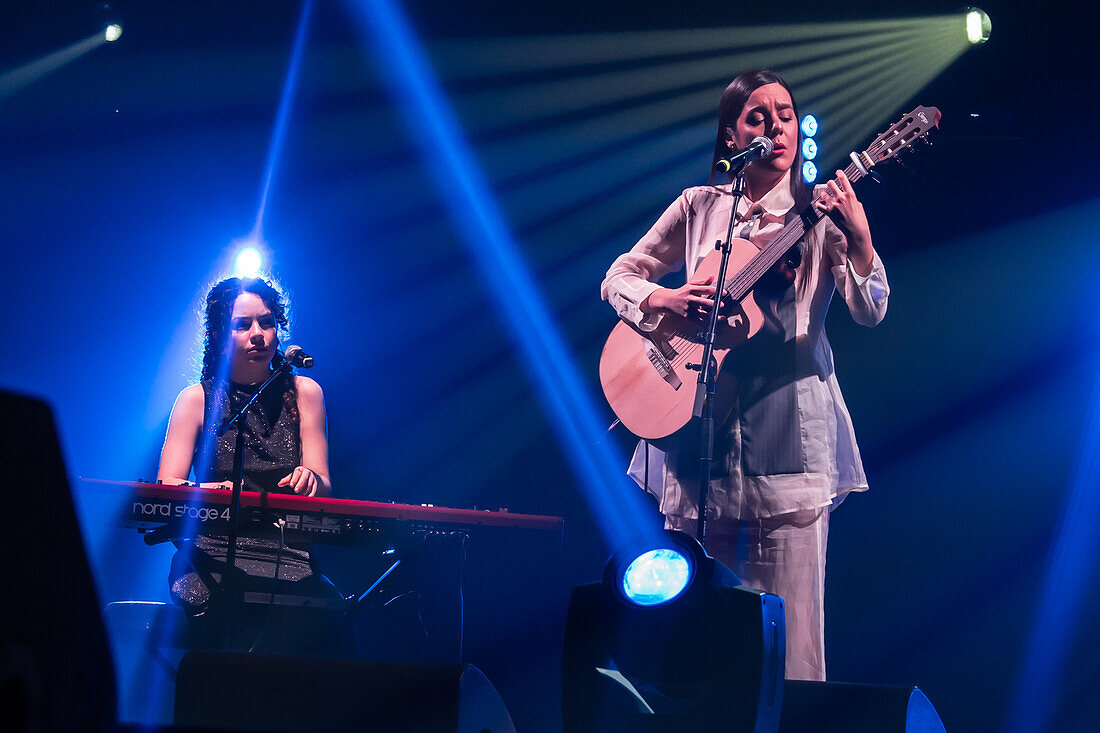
{"x": 249, "y": 260}
{"x": 616, "y": 502}
{"x": 1070, "y": 566}
{"x": 249, "y": 256}
{"x": 282, "y": 116}
{"x": 207, "y": 445}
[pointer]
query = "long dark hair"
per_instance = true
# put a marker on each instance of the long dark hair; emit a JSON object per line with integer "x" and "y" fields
{"x": 729, "y": 110}
{"x": 219, "y": 311}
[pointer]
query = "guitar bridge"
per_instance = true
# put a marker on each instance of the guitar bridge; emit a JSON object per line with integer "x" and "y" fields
{"x": 659, "y": 356}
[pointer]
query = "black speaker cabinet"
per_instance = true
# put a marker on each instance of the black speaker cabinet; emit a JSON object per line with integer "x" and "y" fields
{"x": 282, "y": 694}
{"x": 838, "y": 707}
{"x": 55, "y": 663}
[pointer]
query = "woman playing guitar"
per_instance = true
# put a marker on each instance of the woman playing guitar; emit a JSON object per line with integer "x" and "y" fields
{"x": 786, "y": 454}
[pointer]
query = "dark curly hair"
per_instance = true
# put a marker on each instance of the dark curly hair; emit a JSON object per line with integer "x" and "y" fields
{"x": 219, "y": 311}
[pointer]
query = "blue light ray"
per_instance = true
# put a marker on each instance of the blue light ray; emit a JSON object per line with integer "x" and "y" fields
{"x": 615, "y": 501}
{"x": 208, "y": 438}
{"x": 1069, "y": 570}
{"x": 282, "y": 116}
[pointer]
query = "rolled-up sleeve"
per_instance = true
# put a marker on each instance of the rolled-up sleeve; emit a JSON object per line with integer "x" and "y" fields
{"x": 633, "y": 276}
{"x": 865, "y": 296}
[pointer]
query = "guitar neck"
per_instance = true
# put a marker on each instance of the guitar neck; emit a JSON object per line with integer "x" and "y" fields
{"x": 742, "y": 282}
{"x": 898, "y": 138}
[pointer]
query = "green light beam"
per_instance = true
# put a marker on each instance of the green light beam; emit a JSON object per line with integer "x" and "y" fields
{"x": 22, "y": 77}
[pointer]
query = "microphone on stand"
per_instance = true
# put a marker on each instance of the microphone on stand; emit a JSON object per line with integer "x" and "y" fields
{"x": 298, "y": 358}
{"x": 758, "y": 148}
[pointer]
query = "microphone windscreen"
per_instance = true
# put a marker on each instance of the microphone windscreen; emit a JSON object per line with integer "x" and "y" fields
{"x": 297, "y": 357}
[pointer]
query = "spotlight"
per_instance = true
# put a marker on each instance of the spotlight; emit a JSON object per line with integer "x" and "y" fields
{"x": 978, "y": 26}
{"x": 107, "y": 19}
{"x": 248, "y": 262}
{"x": 809, "y": 149}
{"x": 651, "y": 576}
{"x": 809, "y": 172}
{"x": 670, "y": 640}
{"x": 656, "y": 577}
{"x": 809, "y": 125}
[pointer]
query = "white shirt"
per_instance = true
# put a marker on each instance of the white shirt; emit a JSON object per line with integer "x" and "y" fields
{"x": 828, "y": 464}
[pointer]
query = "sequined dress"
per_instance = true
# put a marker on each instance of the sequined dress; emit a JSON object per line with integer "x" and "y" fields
{"x": 272, "y": 449}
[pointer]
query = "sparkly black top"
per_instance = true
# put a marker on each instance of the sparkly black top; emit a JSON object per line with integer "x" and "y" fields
{"x": 272, "y": 441}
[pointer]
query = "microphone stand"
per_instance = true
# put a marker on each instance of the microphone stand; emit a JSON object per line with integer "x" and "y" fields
{"x": 230, "y": 579}
{"x": 707, "y": 388}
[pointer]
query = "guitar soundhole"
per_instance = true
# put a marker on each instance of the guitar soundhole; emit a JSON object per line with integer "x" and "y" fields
{"x": 736, "y": 327}
{"x": 734, "y": 330}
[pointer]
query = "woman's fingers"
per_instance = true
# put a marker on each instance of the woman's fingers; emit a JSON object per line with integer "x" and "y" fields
{"x": 703, "y": 292}
{"x": 845, "y": 184}
{"x": 301, "y": 478}
{"x": 301, "y": 481}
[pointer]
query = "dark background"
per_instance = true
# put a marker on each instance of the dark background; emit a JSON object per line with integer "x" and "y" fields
{"x": 126, "y": 175}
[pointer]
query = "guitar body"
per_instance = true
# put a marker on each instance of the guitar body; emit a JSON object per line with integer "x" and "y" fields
{"x": 645, "y": 375}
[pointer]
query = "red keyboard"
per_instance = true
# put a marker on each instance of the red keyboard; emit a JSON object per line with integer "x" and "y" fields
{"x": 193, "y": 510}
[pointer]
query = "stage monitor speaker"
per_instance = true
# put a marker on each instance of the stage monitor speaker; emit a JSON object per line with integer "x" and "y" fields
{"x": 838, "y": 707}
{"x": 712, "y": 664}
{"x": 282, "y": 694}
{"x": 55, "y": 664}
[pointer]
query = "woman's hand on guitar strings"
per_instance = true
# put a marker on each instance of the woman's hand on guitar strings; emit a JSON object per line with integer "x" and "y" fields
{"x": 691, "y": 300}
{"x": 839, "y": 203}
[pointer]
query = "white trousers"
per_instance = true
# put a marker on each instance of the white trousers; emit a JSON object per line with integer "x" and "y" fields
{"x": 784, "y": 555}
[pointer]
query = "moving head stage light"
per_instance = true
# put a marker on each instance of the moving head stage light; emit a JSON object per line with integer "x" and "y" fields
{"x": 671, "y": 641}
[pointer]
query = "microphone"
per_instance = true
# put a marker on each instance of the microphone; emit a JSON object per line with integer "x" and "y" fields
{"x": 758, "y": 148}
{"x": 296, "y": 357}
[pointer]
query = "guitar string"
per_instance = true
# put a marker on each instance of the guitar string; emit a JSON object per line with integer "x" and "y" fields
{"x": 752, "y": 272}
{"x": 746, "y": 278}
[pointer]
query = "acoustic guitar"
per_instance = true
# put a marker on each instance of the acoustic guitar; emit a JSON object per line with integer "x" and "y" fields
{"x": 649, "y": 378}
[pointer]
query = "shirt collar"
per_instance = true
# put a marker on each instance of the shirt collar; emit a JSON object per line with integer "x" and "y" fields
{"x": 777, "y": 202}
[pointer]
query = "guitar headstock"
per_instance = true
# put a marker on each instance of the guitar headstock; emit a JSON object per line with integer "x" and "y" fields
{"x": 902, "y": 135}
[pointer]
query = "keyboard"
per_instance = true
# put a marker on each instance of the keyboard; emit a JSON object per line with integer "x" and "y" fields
{"x": 185, "y": 511}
